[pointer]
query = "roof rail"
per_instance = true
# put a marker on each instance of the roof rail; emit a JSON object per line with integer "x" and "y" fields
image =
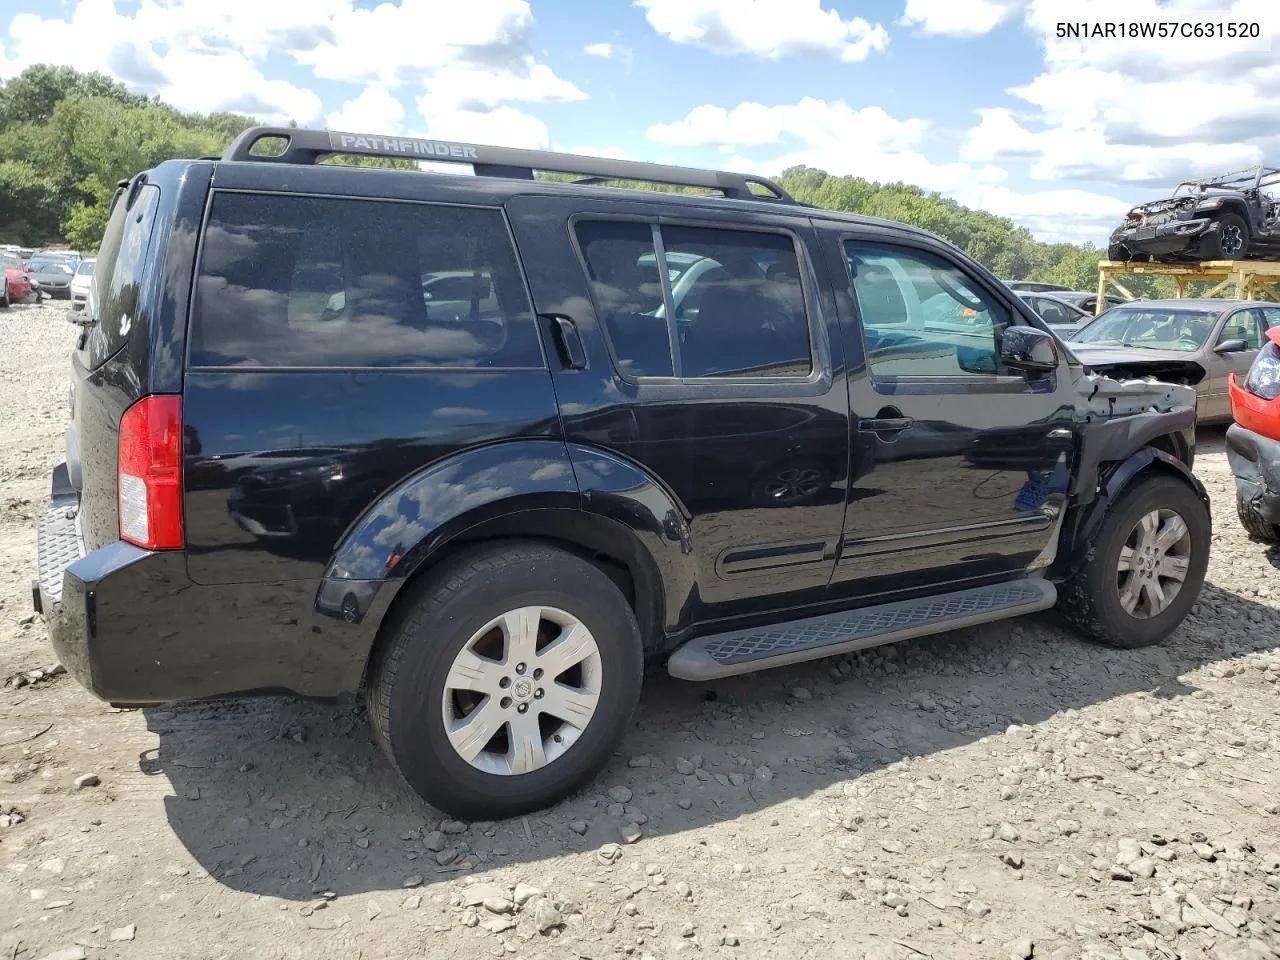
{"x": 309, "y": 146}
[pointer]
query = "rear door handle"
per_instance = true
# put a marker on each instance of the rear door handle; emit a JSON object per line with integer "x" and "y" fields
{"x": 568, "y": 340}
{"x": 883, "y": 424}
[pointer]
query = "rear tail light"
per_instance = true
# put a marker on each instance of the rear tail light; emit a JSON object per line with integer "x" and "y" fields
{"x": 149, "y": 473}
{"x": 1264, "y": 376}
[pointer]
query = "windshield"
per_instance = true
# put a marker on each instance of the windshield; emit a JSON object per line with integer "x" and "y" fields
{"x": 85, "y": 269}
{"x": 10, "y": 263}
{"x": 1150, "y": 329}
{"x": 47, "y": 266}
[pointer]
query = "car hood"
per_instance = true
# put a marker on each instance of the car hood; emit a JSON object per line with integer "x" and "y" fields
{"x": 1176, "y": 366}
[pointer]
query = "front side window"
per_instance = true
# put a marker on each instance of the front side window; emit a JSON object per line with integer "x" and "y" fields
{"x": 1243, "y": 325}
{"x": 922, "y": 316}
{"x": 309, "y": 281}
{"x": 736, "y": 297}
{"x": 1270, "y": 317}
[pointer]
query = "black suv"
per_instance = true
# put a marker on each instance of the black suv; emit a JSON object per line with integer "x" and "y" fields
{"x": 484, "y": 447}
{"x": 1231, "y": 217}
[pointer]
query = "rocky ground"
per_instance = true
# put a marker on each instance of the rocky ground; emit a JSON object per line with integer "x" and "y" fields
{"x": 1008, "y": 791}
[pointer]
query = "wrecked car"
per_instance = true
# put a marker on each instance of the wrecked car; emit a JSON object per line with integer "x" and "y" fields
{"x": 1231, "y": 217}
{"x": 717, "y": 433}
{"x": 1199, "y": 343}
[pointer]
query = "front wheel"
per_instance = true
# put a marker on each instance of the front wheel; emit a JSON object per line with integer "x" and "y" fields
{"x": 1144, "y": 567}
{"x": 507, "y": 681}
{"x": 1229, "y": 242}
{"x": 4, "y": 299}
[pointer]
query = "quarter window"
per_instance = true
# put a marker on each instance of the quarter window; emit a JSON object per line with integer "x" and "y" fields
{"x": 736, "y": 300}
{"x": 303, "y": 281}
{"x": 922, "y": 316}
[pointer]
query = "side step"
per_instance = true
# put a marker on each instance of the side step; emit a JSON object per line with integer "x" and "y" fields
{"x": 744, "y": 651}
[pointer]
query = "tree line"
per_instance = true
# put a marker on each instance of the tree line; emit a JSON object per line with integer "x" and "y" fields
{"x": 67, "y": 138}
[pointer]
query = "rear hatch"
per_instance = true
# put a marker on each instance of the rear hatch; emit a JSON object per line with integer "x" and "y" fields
{"x": 109, "y": 362}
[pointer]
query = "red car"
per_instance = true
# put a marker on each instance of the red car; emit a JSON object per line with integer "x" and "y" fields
{"x": 1253, "y": 442}
{"x": 17, "y": 285}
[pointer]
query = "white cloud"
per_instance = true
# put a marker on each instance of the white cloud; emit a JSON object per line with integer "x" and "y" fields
{"x": 958, "y": 18}
{"x": 203, "y": 56}
{"x": 812, "y": 120}
{"x": 770, "y": 29}
{"x": 601, "y": 49}
{"x": 1081, "y": 152}
{"x": 870, "y": 143}
{"x": 191, "y": 69}
{"x": 375, "y": 110}
{"x": 502, "y": 126}
{"x": 1140, "y": 110}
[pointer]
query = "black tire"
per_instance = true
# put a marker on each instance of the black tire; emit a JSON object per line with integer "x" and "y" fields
{"x": 1118, "y": 252}
{"x": 1090, "y": 600}
{"x": 4, "y": 298}
{"x": 1254, "y": 524}
{"x": 407, "y": 677}
{"x": 1229, "y": 242}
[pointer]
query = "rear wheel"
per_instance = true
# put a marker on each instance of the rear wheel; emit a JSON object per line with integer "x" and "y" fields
{"x": 507, "y": 681}
{"x": 1229, "y": 242}
{"x": 1253, "y": 522}
{"x": 1117, "y": 252}
{"x": 1144, "y": 567}
{"x": 4, "y": 298}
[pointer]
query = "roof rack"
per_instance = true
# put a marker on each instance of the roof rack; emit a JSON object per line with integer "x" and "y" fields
{"x": 309, "y": 146}
{"x": 1260, "y": 175}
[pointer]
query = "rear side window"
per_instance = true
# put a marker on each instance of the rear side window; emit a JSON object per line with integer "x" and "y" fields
{"x": 113, "y": 295}
{"x": 736, "y": 300}
{"x": 318, "y": 282}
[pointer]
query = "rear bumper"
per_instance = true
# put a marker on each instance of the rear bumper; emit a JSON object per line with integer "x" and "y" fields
{"x": 1255, "y": 462}
{"x": 132, "y": 628}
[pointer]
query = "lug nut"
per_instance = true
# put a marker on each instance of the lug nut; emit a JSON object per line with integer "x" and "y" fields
{"x": 505, "y": 703}
{"x": 537, "y": 673}
{"x": 519, "y": 668}
{"x": 504, "y": 682}
{"x": 537, "y": 694}
{"x": 523, "y": 708}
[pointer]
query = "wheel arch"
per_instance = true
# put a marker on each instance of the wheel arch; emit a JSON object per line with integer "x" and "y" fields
{"x": 579, "y": 499}
{"x": 1114, "y": 478}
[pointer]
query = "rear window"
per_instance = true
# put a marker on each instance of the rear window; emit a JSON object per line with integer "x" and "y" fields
{"x": 113, "y": 295}
{"x": 288, "y": 281}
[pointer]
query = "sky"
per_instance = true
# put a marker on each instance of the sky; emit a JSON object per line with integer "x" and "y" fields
{"x": 977, "y": 99}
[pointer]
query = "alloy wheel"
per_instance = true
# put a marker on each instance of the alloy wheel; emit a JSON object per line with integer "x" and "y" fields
{"x": 522, "y": 690}
{"x": 1153, "y": 563}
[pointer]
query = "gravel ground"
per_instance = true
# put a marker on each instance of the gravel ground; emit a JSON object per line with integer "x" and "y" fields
{"x": 1007, "y": 791}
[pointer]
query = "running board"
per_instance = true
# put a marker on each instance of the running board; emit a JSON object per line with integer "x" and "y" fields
{"x": 744, "y": 651}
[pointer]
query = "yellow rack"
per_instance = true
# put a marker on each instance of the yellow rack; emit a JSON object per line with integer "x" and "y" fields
{"x": 1238, "y": 279}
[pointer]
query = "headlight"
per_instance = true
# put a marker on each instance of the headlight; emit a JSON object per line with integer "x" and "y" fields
{"x": 1211, "y": 204}
{"x": 1264, "y": 376}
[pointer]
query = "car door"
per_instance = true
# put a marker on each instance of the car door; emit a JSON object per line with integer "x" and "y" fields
{"x": 719, "y": 375}
{"x": 1245, "y": 324}
{"x": 959, "y": 466}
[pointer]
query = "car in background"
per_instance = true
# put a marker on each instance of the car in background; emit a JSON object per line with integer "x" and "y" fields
{"x": 52, "y": 277}
{"x": 1034, "y": 286}
{"x": 17, "y": 285}
{"x": 1200, "y": 343}
{"x": 1230, "y": 217}
{"x": 1063, "y": 318}
{"x": 1087, "y": 300}
{"x": 1253, "y": 441}
{"x": 80, "y": 284}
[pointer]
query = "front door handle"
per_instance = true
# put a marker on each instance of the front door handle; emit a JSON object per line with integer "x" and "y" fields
{"x": 568, "y": 340}
{"x": 885, "y": 424}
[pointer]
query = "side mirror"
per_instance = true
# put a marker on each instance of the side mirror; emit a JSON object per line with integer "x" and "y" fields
{"x": 1029, "y": 349}
{"x": 1231, "y": 346}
